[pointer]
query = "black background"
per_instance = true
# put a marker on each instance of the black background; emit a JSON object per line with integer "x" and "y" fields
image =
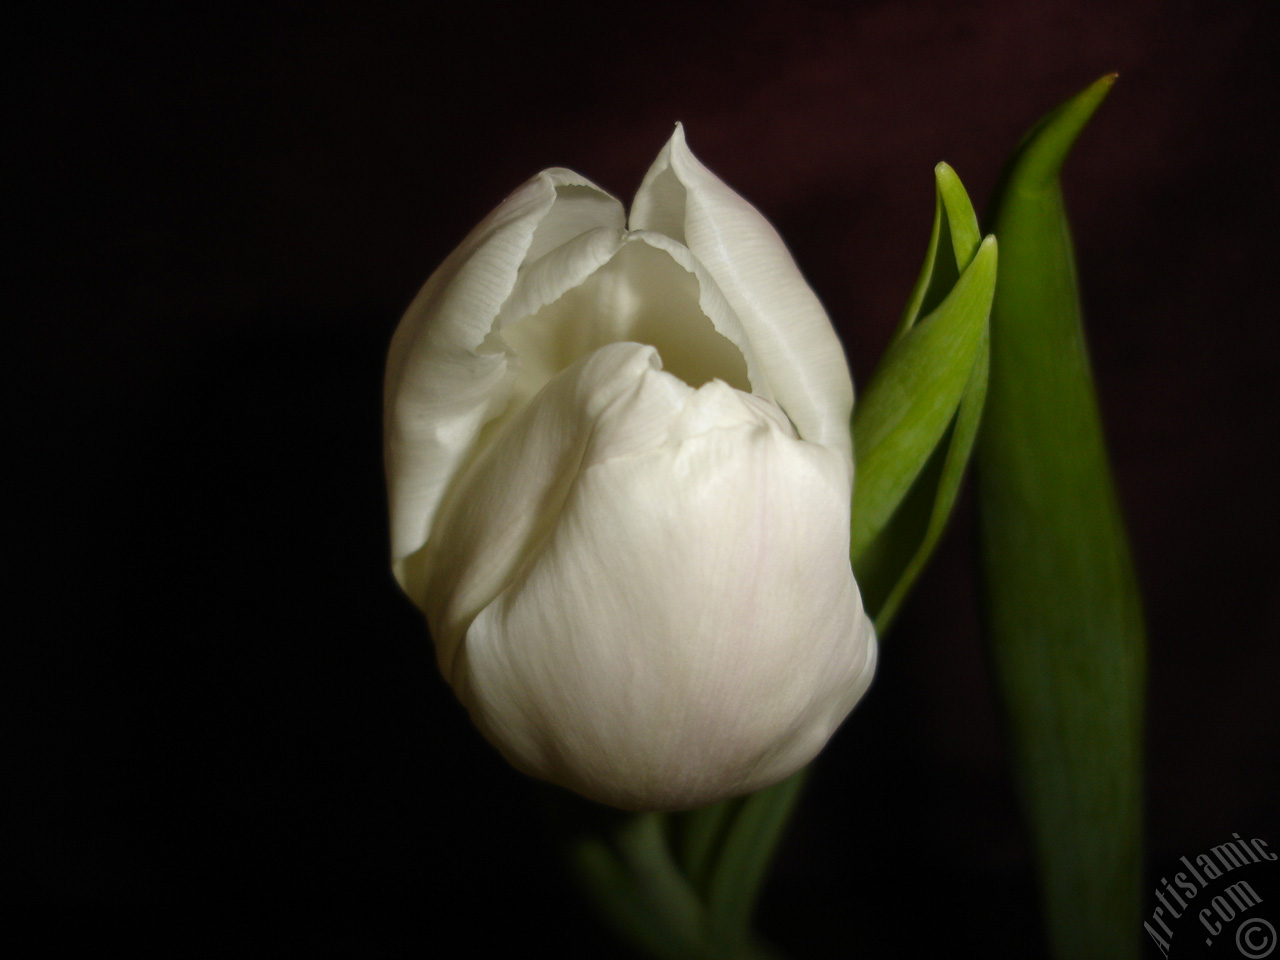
{"x": 234, "y": 738}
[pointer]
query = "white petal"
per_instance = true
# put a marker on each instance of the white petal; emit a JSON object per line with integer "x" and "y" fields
{"x": 790, "y": 333}
{"x": 678, "y": 622}
{"x": 714, "y": 306}
{"x": 504, "y": 505}
{"x": 441, "y": 385}
{"x": 608, "y": 288}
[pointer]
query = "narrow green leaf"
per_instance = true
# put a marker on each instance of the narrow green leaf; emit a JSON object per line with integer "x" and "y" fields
{"x": 940, "y": 495}
{"x": 888, "y": 566}
{"x": 912, "y": 399}
{"x": 952, "y": 245}
{"x": 1064, "y": 616}
{"x": 962, "y": 221}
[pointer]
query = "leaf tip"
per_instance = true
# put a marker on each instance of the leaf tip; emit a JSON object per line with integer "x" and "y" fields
{"x": 1039, "y": 158}
{"x": 945, "y": 176}
{"x": 1095, "y": 93}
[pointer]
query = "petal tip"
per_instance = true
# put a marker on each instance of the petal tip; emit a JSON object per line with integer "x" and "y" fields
{"x": 678, "y": 146}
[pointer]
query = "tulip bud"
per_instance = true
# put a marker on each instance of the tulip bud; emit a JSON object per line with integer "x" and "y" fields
{"x": 619, "y": 472}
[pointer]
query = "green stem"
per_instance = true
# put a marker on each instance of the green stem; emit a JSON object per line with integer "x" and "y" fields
{"x": 642, "y": 842}
{"x": 744, "y": 858}
{"x": 702, "y": 832}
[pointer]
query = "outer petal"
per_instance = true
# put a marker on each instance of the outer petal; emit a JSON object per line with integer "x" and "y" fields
{"x": 502, "y": 509}
{"x": 681, "y": 623}
{"x": 790, "y": 332}
{"x": 441, "y": 386}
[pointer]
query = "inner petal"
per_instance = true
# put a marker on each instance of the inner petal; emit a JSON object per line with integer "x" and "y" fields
{"x": 641, "y": 295}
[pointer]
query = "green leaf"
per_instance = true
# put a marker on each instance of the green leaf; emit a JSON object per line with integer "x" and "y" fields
{"x": 905, "y": 426}
{"x": 952, "y": 246}
{"x": 923, "y": 517}
{"x": 888, "y": 560}
{"x": 913, "y": 397}
{"x": 1064, "y": 615}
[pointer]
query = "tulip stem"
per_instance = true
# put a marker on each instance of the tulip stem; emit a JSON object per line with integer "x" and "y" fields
{"x": 612, "y": 886}
{"x": 643, "y": 843}
{"x": 748, "y": 848}
{"x": 701, "y": 834}
{"x": 632, "y": 874}
{"x": 641, "y": 870}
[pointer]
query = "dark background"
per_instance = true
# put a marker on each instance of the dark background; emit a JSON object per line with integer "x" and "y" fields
{"x": 234, "y": 738}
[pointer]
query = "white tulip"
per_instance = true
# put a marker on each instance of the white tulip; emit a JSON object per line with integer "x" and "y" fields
{"x": 620, "y": 472}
